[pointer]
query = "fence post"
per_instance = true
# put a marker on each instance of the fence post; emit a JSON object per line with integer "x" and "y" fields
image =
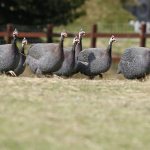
{"x": 93, "y": 38}
{"x": 49, "y": 33}
{"x": 9, "y": 31}
{"x": 143, "y": 35}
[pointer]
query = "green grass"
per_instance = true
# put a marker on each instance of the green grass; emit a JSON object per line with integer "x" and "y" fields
{"x": 74, "y": 114}
{"x": 108, "y": 14}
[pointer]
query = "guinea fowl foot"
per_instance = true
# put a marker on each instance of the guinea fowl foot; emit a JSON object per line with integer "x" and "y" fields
{"x": 100, "y": 76}
{"x": 56, "y": 76}
{"x": 91, "y": 77}
{"x": 12, "y": 73}
{"x": 66, "y": 77}
{"x": 38, "y": 73}
{"x": 143, "y": 78}
{"x": 49, "y": 75}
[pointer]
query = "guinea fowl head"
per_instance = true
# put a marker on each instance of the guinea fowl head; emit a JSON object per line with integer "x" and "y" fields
{"x": 15, "y": 33}
{"x": 63, "y": 34}
{"x": 75, "y": 40}
{"x": 112, "y": 39}
{"x": 81, "y": 33}
{"x": 24, "y": 41}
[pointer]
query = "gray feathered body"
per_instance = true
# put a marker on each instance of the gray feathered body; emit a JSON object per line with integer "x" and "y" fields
{"x": 9, "y": 57}
{"x": 38, "y": 50}
{"x": 45, "y": 57}
{"x": 94, "y": 61}
{"x": 68, "y": 63}
{"x": 135, "y": 63}
{"x": 33, "y": 63}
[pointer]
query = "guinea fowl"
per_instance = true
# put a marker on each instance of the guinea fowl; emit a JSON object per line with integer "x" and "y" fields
{"x": 95, "y": 61}
{"x": 69, "y": 60}
{"x": 135, "y": 63}
{"x": 78, "y": 49}
{"x": 21, "y": 67}
{"x": 9, "y": 55}
{"x": 46, "y": 58}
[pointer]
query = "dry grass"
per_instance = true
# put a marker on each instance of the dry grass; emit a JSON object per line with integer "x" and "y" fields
{"x": 76, "y": 114}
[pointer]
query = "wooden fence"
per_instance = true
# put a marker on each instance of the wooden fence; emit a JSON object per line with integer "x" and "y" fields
{"x": 93, "y": 35}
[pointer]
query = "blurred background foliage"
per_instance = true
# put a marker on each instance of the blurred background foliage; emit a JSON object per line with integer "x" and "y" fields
{"x": 63, "y": 12}
{"x": 37, "y": 12}
{"x": 70, "y": 15}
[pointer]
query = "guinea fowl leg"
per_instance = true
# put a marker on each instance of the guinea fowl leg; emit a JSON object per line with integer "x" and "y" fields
{"x": 67, "y": 77}
{"x": 50, "y": 75}
{"x": 91, "y": 77}
{"x": 38, "y": 72}
{"x": 144, "y": 78}
{"x": 100, "y": 76}
{"x": 12, "y": 73}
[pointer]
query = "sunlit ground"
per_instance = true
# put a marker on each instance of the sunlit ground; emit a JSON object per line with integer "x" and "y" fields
{"x": 64, "y": 114}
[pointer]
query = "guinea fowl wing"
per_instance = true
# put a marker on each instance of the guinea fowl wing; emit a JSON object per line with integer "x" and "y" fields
{"x": 5, "y": 48}
{"x": 130, "y": 53}
{"x": 38, "y": 50}
{"x": 82, "y": 58}
{"x": 88, "y": 55}
{"x": 134, "y": 62}
{"x": 4, "y": 51}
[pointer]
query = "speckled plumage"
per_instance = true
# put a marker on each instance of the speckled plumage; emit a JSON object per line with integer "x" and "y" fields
{"x": 135, "y": 63}
{"x": 94, "y": 61}
{"x": 38, "y": 50}
{"x": 9, "y": 56}
{"x": 44, "y": 59}
{"x": 69, "y": 61}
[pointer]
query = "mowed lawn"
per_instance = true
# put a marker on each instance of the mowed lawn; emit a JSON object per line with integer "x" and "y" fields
{"x": 74, "y": 114}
